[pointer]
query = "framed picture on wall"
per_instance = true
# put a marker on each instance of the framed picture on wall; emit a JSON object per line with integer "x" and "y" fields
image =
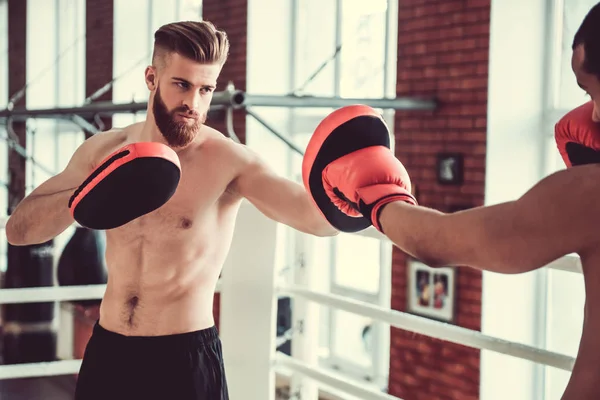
{"x": 431, "y": 291}
{"x": 450, "y": 168}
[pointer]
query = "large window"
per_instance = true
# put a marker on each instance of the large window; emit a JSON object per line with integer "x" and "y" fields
{"x": 352, "y": 44}
{"x": 566, "y": 292}
{"x": 133, "y": 40}
{"x": 338, "y": 48}
{"x": 570, "y": 95}
{"x": 55, "y": 78}
{"x": 563, "y": 94}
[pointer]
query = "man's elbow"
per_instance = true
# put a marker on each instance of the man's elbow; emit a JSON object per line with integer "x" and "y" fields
{"x": 323, "y": 234}
{"x": 14, "y": 235}
{"x": 323, "y": 229}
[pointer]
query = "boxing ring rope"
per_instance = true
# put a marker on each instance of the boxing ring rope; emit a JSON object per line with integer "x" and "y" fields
{"x": 568, "y": 263}
{"x": 244, "y": 284}
{"x": 48, "y": 294}
{"x": 251, "y": 357}
{"x": 434, "y": 329}
{"x": 53, "y": 293}
{"x": 250, "y": 289}
{"x": 334, "y": 380}
{"x": 41, "y": 369}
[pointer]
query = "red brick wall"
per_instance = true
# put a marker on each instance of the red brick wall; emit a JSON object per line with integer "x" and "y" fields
{"x": 99, "y": 18}
{"x": 442, "y": 52}
{"x": 17, "y": 61}
{"x": 17, "y": 39}
{"x": 232, "y": 17}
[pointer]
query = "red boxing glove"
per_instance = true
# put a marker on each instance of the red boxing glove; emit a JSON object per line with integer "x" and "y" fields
{"x": 363, "y": 181}
{"x": 349, "y": 171}
{"x": 578, "y": 136}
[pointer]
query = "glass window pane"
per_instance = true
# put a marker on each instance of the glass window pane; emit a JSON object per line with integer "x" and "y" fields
{"x": 315, "y": 44}
{"x": 41, "y": 54}
{"x": 132, "y": 50}
{"x": 351, "y": 340}
{"x": 189, "y": 10}
{"x": 70, "y": 53}
{"x": 41, "y": 140}
{"x": 67, "y": 143}
{"x": 574, "y": 11}
{"x": 163, "y": 12}
{"x": 363, "y": 48}
{"x": 357, "y": 262}
{"x": 55, "y": 77}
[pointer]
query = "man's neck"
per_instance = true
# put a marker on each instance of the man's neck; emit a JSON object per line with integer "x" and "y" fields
{"x": 150, "y": 132}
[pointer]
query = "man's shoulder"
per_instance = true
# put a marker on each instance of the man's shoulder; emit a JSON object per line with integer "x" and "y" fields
{"x": 226, "y": 145}
{"x": 101, "y": 144}
{"x": 588, "y": 176}
{"x": 579, "y": 186}
{"x": 113, "y": 134}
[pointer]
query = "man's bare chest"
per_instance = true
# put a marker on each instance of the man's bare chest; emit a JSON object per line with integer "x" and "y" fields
{"x": 201, "y": 198}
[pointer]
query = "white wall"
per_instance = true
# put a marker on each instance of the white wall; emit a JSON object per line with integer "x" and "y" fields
{"x": 513, "y": 306}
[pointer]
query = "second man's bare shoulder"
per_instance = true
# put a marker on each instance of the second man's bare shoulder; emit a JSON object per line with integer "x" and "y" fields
{"x": 565, "y": 206}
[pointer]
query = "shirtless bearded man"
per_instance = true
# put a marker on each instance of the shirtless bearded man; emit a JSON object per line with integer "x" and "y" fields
{"x": 558, "y": 216}
{"x": 156, "y": 338}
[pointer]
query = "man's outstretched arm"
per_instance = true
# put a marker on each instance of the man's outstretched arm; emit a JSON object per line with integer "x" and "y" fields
{"x": 558, "y": 216}
{"x": 278, "y": 198}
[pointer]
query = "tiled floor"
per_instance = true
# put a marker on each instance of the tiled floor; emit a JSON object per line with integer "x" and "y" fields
{"x": 49, "y": 388}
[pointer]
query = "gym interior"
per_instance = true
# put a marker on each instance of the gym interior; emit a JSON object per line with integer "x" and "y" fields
{"x": 471, "y": 91}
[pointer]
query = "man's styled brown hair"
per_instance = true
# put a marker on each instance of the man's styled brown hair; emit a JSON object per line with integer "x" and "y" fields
{"x": 197, "y": 40}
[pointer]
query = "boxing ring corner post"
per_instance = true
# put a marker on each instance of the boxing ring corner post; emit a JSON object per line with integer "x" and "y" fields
{"x": 248, "y": 306}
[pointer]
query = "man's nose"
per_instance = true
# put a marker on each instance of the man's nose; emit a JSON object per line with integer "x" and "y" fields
{"x": 192, "y": 101}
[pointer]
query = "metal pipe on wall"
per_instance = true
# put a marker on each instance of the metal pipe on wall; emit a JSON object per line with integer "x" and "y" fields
{"x": 230, "y": 98}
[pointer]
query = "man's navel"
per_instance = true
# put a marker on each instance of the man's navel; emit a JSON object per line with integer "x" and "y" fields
{"x": 132, "y": 303}
{"x": 185, "y": 223}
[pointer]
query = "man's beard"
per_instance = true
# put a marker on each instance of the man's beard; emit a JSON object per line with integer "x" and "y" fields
{"x": 176, "y": 133}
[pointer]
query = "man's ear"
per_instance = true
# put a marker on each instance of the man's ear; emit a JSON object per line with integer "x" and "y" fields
{"x": 151, "y": 77}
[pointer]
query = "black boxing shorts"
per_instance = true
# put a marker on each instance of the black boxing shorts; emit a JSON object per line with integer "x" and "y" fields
{"x": 187, "y": 366}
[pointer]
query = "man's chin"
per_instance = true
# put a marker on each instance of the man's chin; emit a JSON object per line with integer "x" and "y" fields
{"x": 181, "y": 138}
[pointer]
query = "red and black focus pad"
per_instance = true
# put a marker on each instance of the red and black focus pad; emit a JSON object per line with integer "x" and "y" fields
{"x": 134, "y": 180}
{"x": 578, "y": 136}
{"x": 344, "y": 131}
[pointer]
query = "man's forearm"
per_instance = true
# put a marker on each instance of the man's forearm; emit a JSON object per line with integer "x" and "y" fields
{"x": 486, "y": 238}
{"x": 39, "y": 218}
{"x": 417, "y": 231}
{"x": 511, "y": 237}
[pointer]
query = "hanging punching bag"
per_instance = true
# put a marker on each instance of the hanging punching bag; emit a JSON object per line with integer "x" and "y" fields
{"x": 28, "y": 331}
{"x": 82, "y": 261}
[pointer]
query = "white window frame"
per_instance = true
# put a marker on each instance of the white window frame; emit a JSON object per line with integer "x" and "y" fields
{"x": 305, "y": 124}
